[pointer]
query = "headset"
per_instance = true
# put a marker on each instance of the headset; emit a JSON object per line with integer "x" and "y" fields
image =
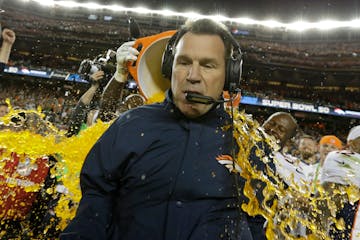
{"x": 233, "y": 63}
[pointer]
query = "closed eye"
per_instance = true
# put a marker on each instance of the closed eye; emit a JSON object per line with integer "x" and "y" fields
{"x": 208, "y": 63}
{"x": 183, "y": 63}
{"x": 183, "y": 60}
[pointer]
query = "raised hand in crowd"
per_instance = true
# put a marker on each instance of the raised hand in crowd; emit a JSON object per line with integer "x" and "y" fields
{"x": 8, "y": 37}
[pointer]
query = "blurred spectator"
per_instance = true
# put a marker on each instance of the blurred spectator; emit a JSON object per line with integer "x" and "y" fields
{"x": 81, "y": 112}
{"x": 327, "y": 144}
{"x": 4, "y": 109}
{"x": 340, "y": 170}
{"x": 8, "y": 37}
{"x": 308, "y": 149}
{"x": 342, "y": 167}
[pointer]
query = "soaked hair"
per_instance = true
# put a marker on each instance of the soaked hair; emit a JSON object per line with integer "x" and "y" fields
{"x": 207, "y": 26}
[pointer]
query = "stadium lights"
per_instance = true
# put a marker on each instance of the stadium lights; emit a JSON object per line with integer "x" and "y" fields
{"x": 142, "y": 10}
{"x": 168, "y": 13}
{"x": 118, "y": 8}
{"x": 295, "y": 26}
{"x": 93, "y": 6}
{"x": 67, "y": 4}
{"x": 355, "y": 23}
{"x": 246, "y": 21}
{"x": 300, "y": 26}
{"x": 272, "y": 24}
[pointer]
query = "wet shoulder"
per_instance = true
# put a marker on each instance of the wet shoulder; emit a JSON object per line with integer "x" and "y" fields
{"x": 145, "y": 113}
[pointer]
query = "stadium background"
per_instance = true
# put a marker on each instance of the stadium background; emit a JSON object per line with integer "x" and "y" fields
{"x": 316, "y": 69}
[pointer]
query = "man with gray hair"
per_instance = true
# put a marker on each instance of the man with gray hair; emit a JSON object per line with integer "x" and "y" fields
{"x": 154, "y": 173}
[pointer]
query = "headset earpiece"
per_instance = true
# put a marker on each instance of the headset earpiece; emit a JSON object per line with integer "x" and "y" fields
{"x": 233, "y": 64}
{"x": 233, "y": 68}
{"x": 168, "y": 57}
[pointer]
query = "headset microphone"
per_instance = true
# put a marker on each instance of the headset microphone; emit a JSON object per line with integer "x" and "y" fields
{"x": 197, "y": 98}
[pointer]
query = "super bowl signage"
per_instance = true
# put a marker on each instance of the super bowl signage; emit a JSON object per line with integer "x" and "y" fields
{"x": 306, "y": 107}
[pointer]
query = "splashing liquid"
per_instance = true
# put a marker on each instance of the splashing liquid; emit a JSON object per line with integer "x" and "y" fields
{"x": 71, "y": 152}
{"x": 286, "y": 207}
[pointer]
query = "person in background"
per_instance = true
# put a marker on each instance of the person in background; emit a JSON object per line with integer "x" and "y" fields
{"x": 82, "y": 114}
{"x": 308, "y": 149}
{"x": 4, "y": 109}
{"x": 308, "y": 159}
{"x": 8, "y": 39}
{"x": 327, "y": 144}
{"x": 282, "y": 127}
{"x": 154, "y": 173}
{"x": 341, "y": 170}
{"x": 114, "y": 89}
{"x": 304, "y": 166}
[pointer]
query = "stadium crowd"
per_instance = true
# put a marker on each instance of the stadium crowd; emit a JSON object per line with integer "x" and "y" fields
{"x": 305, "y": 160}
{"x": 77, "y": 29}
{"x": 331, "y": 98}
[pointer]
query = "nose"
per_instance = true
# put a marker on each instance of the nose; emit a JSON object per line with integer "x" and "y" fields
{"x": 194, "y": 74}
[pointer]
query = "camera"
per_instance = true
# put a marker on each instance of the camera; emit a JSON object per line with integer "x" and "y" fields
{"x": 103, "y": 62}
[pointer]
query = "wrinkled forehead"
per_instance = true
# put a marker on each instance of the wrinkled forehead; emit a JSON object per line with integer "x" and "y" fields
{"x": 191, "y": 40}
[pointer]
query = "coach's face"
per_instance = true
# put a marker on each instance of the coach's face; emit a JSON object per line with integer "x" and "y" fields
{"x": 199, "y": 67}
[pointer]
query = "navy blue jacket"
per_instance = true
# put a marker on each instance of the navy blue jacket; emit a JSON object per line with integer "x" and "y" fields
{"x": 154, "y": 175}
